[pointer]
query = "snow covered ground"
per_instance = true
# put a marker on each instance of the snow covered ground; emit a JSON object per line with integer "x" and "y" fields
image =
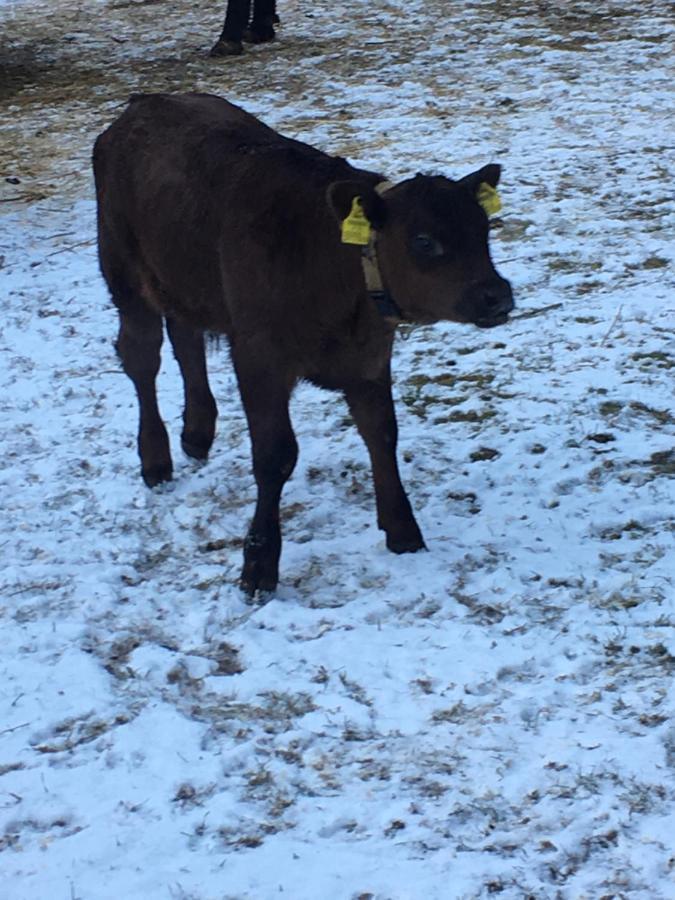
{"x": 492, "y": 717}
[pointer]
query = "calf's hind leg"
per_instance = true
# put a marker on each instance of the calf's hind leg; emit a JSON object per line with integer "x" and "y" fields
{"x": 138, "y": 345}
{"x": 199, "y": 414}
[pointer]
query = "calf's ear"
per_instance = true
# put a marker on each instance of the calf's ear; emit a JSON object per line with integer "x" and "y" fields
{"x": 341, "y": 195}
{"x": 482, "y": 185}
{"x": 487, "y": 175}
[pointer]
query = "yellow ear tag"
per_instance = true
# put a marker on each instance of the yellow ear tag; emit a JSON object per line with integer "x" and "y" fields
{"x": 356, "y": 228}
{"x": 488, "y": 198}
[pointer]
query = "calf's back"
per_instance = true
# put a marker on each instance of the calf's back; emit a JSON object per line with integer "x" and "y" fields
{"x": 220, "y": 221}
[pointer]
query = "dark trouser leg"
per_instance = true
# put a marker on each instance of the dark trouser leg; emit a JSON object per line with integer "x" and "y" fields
{"x": 262, "y": 23}
{"x": 199, "y": 414}
{"x": 372, "y": 407}
{"x": 236, "y": 21}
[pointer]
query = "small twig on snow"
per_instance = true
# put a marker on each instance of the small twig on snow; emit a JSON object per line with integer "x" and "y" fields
{"x": 71, "y": 247}
{"x": 611, "y": 327}
{"x": 20, "y": 197}
{"x": 531, "y": 313}
{"x": 15, "y": 728}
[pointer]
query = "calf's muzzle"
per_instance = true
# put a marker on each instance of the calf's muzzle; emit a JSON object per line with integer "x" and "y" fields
{"x": 489, "y": 303}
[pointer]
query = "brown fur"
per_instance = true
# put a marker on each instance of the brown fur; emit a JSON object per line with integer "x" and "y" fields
{"x": 212, "y": 221}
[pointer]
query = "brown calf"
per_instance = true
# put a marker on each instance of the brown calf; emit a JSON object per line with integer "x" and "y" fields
{"x": 212, "y": 221}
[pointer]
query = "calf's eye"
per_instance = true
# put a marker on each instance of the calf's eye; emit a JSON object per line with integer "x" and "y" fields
{"x": 428, "y": 246}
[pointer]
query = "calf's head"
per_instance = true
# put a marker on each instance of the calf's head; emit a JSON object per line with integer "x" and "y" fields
{"x": 431, "y": 240}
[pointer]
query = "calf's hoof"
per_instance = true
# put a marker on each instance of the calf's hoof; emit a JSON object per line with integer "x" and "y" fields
{"x": 227, "y": 48}
{"x": 195, "y": 446}
{"x": 157, "y": 474}
{"x": 410, "y": 543}
{"x": 256, "y": 584}
{"x": 261, "y": 562}
{"x": 258, "y": 598}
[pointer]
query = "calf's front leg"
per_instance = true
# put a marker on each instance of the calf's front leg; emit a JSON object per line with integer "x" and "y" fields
{"x": 265, "y": 395}
{"x": 372, "y": 408}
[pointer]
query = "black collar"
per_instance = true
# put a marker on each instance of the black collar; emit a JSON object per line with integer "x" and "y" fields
{"x": 387, "y": 306}
{"x": 385, "y": 303}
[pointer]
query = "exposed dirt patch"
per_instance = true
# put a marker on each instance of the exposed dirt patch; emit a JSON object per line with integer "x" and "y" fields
{"x": 67, "y": 68}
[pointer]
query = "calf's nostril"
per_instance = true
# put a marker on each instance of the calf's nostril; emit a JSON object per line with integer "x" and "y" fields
{"x": 497, "y": 301}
